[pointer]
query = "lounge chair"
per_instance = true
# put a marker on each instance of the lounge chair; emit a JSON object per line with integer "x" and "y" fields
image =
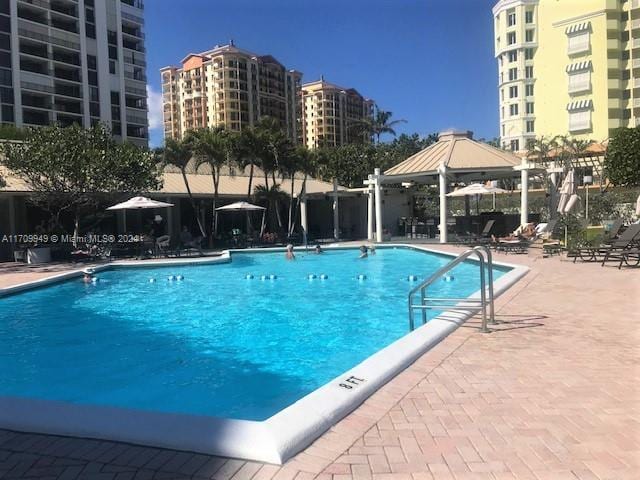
{"x": 625, "y": 248}
{"x": 163, "y": 245}
{"x": 522, "y": 244}
{"x": 596, "y": 253}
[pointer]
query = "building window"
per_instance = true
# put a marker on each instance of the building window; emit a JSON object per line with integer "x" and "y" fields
{"x": 513, "y": 109}
{"x": 513, "y": 92}
{"x": 511, "y": 19}
{"x": 515, "y": 145}
{"x": 502, "y": 94}
{"x": 530, "y": 108}
{"x": 528, "y": 90}
{"x": 503, "y": 130}
{"x": 511, "y": 38}
{"x": 530, "y": 126}
{"x": 579, "y": 120}
{"x": 528, "y": 35}
{"x": 513, "y": 56}
{"x": 579, "y": 82}
{"x": 528, "y": 71}
{"x": 528, "y": 16}
{"x": 528, "y": 53}
{"x": 513, "y": 74}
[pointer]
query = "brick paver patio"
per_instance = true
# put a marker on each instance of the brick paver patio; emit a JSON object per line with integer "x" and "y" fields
{"x": 551, "y": 393}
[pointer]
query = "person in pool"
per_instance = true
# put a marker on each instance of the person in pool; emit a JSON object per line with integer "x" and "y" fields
{"x": 363, "y": 252}
{"x": 88, "y": 276}
{"x": 372, "y": 250}
{"x": 289, "y": 253}
{"x": 318, "y": 249}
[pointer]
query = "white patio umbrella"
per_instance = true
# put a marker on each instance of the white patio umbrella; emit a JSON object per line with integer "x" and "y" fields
{"x": 568, "y": 196}
{"x": 138, "y": 203}
{"x": 476, "y": 189}
{"x": 244, "y": 207}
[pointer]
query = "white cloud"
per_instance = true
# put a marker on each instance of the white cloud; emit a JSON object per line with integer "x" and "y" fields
{"x": 154, "y": 101}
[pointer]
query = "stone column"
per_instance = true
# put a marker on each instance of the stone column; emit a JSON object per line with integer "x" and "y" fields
{"x": 524, "y": 195}
{"x": 378, "y": 205}
{"x": 370, "y": 209}
{"x": 336, "y": 211}
{"x": 443, "y": 203}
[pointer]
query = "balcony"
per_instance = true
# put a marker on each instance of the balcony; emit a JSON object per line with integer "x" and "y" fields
{"x": 65, "y": 8}
{"x": 67, "y": 74}
{"x": 132, "y": 31}
{"x": 134, "y": 3}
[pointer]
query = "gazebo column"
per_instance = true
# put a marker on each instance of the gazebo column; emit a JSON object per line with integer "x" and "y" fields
{"x": 370, "y": 209}
{"x": 378, "y": 205}
{"x": 442, "y": 171}
{"x": 524, "y": 194}
{"x": 336, "y": 211}
{"x": 303, "y": 216}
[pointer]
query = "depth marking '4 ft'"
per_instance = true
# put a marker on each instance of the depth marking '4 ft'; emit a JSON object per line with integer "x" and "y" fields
{"x": 352, "y": 382}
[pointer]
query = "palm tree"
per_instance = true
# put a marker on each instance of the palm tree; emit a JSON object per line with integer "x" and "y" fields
{"x": 271, "y": 197}
{"x": 379, "y": 124}
{"x": 178, "y": 154}
{"x": 271, "y": 146}
{"x": 207, "y": 145}
{"x": 572, "y": 150}
{"x": 308, "y": 166}
{"x": 540, "y": 149}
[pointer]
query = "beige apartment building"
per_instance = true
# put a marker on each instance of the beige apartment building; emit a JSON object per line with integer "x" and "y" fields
{"x": 566, "y": 67}
{"x": 330, "y": 114}
{"x": 231, "y": 87}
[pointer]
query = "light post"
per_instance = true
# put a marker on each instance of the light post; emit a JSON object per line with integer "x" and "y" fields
{"x": 587, "y": 180}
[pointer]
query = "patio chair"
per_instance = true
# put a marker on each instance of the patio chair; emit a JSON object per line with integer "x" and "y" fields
{"x": 483, "y": 238}
{"x": 163, "y": 245}
{"x": 625, "y": 248}
{"x": 597, "y": 253}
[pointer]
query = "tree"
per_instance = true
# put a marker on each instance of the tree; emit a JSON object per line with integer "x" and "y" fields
{"x": 207, "y": 147}
{"x": 69, "y": 168}
{"x": 271, "y": 197}
{"x": 379, "y": 124}
{"x": 178, "y": 154}
{"x": 540, "y": 149}
{"x": 271, "y": 146}
{"x": 622, "y": 160}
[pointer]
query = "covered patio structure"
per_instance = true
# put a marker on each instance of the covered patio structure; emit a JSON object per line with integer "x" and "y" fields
{"x": 454, "y": 158}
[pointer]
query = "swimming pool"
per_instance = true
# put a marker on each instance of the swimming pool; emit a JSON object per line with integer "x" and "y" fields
{"x": 227, "y": 341}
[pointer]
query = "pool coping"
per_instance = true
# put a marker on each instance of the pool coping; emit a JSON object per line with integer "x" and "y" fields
{"x": 273, "y": 440}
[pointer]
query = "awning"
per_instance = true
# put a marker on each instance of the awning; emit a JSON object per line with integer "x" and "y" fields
{"x": 579, "y": 66}
{"x": 580, "y": 105}
{"x": 577, "y": 28}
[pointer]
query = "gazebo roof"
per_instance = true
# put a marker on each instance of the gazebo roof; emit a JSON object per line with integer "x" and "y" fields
{"x": 459, "y": 153}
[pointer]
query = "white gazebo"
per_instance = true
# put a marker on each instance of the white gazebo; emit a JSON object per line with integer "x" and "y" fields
{"x": 455, "y": 157}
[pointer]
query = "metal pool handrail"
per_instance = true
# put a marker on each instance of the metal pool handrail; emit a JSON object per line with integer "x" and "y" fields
{"x": 427, "y": 303}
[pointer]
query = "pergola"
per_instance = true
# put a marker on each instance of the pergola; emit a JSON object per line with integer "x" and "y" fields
{"x": 455, "y": 157}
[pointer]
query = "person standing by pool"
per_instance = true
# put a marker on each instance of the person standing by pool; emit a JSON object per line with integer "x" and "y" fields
{"x": 363, "y": 252}
{"x": 289, "y": 253}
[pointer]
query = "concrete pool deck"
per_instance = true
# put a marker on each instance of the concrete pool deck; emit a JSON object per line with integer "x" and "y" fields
{"x": 551, "y": 393}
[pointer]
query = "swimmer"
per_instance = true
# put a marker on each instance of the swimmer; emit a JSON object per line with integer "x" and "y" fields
{"x": 318, "y": 249}
{"x": 289, "y": 253}
{"x": 363, "y": 252}
{"x": 88, "y": 275}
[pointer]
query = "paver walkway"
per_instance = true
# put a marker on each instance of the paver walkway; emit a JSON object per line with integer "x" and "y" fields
{"x": 551, "y": 393}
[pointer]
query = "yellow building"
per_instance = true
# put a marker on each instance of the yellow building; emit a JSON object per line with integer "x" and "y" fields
{"x": 330, "y": 114}
{"x": 231, "y": 87}
{"x": 566, "y": 67}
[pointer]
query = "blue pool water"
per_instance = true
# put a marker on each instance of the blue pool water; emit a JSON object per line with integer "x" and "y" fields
{"x": 215, "y": 343}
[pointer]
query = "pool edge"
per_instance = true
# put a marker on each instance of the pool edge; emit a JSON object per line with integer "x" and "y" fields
{"x": 274, "y": 440}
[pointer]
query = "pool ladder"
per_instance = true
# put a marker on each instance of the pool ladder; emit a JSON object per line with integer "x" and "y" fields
{"x": 470, "y": 304}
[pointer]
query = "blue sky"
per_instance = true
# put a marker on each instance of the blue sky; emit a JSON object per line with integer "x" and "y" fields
{"x": 430, "y": 62}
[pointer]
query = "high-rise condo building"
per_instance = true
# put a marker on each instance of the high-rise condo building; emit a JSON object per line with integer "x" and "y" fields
{"x": 74, "y": 61}
{"x": 231, "y": 87}
{"x": 566, "y": 67}
{"x": 331, "y": 115}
